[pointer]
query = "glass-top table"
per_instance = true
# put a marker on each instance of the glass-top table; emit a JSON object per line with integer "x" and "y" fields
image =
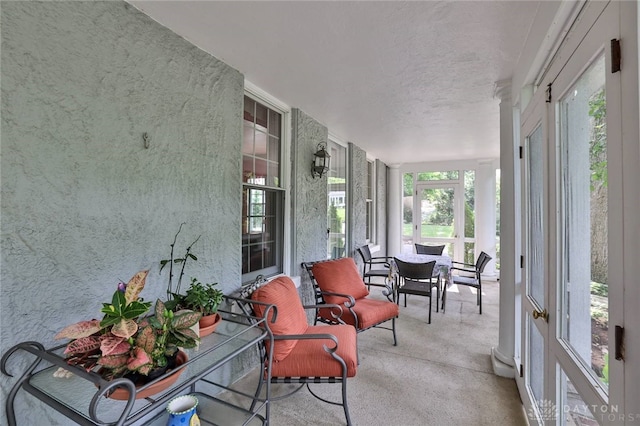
{"x": 79, "y": 398}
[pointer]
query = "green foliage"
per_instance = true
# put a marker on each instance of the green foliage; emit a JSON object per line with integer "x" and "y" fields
{"x": 599, "y": 289}
{"x": 119, "y": 309}
{"x": 605, "y": 369}
{"x": 203, "y": 298}
{"x": 598, "y": 142}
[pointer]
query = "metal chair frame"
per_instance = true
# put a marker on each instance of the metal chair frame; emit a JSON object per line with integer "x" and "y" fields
{"x": 474, "y": 278}
{"x": 370, "y": 264}
{"x": 417, "y": 279}
{"x": 266, "y": 357}
{"x": 350, "y": 304}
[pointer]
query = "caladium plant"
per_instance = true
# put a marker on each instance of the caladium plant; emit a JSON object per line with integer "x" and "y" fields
{"x": 126, "y": 340}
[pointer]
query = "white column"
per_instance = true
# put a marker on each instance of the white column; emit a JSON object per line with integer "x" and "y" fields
{"x": 502, "y": 356}
{"x": 485, "y": 196}
{"x": 394, "y": 212}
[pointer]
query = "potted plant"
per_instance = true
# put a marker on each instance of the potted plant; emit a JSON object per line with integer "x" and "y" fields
{"x": 204, "y": 298}
{"x": 129, "y": 343}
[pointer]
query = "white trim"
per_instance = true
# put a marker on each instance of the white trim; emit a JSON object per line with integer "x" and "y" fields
{"x": 265, "y": 97}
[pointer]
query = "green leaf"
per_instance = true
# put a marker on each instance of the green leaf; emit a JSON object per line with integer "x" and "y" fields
{"x": 135, "y": 309}
{"x": 193, "y": 256}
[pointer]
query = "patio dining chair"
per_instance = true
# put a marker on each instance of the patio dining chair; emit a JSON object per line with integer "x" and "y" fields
{"x": 296, "y": 352}
{"x": 425, "y": 249}
{"x": 471, "y": 275}
{"x": 338, "y": 282}
{"x": 373, "y": 267}
{"x": 417, "y": 279}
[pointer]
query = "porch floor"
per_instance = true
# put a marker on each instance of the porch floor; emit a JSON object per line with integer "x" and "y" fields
{"x": 439, "y": 374}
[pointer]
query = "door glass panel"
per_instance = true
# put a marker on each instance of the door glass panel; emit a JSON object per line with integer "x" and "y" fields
{"x": 437, "y": 214}
{"x": 584, "y": 292}
{"x": 535, "y": 270}
{"x": 469, "y": 217}
{"x": 337, "y": 190}
{"x": 577, "y": 412}
{"x": 407, "y": 213}
{"x": 536, "y": 362}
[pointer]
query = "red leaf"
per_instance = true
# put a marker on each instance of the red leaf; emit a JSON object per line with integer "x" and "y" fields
{"x": 138, "y": 359}
{"x": 114, "y": 361}
{"x": 83, "y": 345}
{"x": 114, "y": 346}
{"x": 78, "y": 330}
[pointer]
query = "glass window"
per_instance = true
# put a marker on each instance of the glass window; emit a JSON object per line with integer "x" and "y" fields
{"x": 262, "y": 196}
{"x": 337, "y": 208}
{"x": 371, "y": 204}
{"x": 583, "y": 141}
{"x": 448, "y": 175}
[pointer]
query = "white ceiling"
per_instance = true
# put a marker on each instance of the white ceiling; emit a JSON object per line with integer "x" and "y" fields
{"x": 405, "y": 81}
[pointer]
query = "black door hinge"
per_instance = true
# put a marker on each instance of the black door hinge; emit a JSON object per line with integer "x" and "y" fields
{"x": 521, "y": 370}
{"x": 549, "y": 93}
{"x": 615, "y": 56}
{"x": 521, "y": 262}
{"x": 619, "y": 343}
{"x": 520, "y": 151}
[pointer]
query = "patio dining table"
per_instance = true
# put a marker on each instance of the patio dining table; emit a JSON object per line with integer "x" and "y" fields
{"x": 442, "y": 267}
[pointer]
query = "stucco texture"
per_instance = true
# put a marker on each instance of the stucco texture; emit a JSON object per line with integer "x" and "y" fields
{"x": 84, "y": 203}
{"x": 309, "y": 201}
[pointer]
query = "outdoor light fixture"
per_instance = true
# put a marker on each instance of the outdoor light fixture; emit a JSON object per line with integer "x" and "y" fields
{"x": 320, "y": 163}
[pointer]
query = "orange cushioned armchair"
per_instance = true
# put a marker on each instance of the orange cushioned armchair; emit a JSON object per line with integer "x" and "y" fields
{"x": 295, "y": 351}
{"x": 339, "y": 282}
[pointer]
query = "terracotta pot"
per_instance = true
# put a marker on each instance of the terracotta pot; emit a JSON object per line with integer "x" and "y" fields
{"x": 208, "y": 324}
{"x": 122, "y": 394}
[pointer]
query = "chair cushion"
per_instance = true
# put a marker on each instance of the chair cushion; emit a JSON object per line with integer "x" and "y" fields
{"x": 309, "y": 359}
{"x": 339, "y": 276}
{"x": 291, "y": 318}
{"x": 370, "y": 312}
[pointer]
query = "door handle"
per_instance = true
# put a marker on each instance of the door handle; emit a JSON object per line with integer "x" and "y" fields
{"x": 541, "y": 314}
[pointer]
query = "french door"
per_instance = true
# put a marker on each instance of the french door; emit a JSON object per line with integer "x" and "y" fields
{"x": 572, "y": 263}
{"x": 440, "y": 217}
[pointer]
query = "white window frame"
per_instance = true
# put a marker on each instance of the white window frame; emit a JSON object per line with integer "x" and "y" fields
{"x": 272, "y": 102}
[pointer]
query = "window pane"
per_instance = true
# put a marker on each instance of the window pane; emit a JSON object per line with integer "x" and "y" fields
{"x": 249, "y": 109}
{"x": 451, "y": 174}
{"x": 247, "y": 168}
{"x": 274, "y": 149}
{"x": 407, "y": 213}
{"x": 584, "y": 290}
{"x": 536, "y": 362}
{"x": 261, "y": 117}
{"x": 337, "y": 201}
{"x": 260, "y": 148}
{"x": 274, "y": 123}
{"x": 535, "y": 270}
{"x": 247, "y": 139}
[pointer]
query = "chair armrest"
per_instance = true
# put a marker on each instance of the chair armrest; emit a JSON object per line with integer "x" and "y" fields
{"x": 471, "y": 265}
{"x": 246, "y": 306}
{"x": 311, "y": 337}
{"x": 351, "y": 303}
{"x": 471, "y": 271}
{"x": 331, "y": 306}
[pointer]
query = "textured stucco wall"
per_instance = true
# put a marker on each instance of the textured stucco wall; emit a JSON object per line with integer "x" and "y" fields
{"x": 84, "y": 204}
{"x": 309, "y": 200}
{"x": 358, "y": 204}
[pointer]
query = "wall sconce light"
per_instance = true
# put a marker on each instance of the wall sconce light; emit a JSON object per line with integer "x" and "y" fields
{"x": 320, "y": 164}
